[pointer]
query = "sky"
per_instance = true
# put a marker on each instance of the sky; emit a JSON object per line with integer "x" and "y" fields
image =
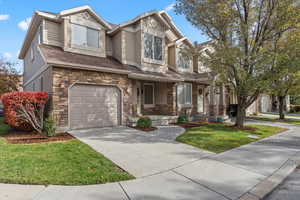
{"x": 15, "y": 16}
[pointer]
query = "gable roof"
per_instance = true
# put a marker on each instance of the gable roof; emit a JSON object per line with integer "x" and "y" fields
{"x": 136, "y": 19}
{"x": 88, "y": 9}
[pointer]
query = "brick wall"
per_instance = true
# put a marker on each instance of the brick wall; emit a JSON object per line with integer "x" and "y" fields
{"x": 63, "y": 78}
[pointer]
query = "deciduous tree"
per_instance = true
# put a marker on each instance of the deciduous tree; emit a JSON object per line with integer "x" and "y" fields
{"x": 286, "y": 68}
{"x": 9, "y": 76}
{"x": 241, "y": 30}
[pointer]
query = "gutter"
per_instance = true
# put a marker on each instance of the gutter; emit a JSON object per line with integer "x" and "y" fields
{"x": 87, "y": 67}
{"x": 153, "y": 78}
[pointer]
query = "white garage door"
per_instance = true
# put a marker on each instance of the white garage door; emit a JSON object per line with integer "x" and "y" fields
{"x": 94, "y": 106}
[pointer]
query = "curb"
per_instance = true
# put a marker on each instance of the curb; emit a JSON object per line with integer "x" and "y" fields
{"x": 262, "y": 189}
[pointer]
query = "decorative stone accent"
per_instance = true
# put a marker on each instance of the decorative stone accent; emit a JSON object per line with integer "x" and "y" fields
{"x": 63, "y": 78}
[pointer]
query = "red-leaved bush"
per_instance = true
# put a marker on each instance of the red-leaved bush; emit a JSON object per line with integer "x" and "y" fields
{"x": 25, "y": 110}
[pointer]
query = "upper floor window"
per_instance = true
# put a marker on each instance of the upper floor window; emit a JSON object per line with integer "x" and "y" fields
{"x": 183, "y": 62}
{"x": 84, "y": 36}
{"x": 153, "y": 47}
{"x": 32, "y": 53}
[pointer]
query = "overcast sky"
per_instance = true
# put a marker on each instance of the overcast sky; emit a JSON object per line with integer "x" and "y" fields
{"x": 15, "y": 16}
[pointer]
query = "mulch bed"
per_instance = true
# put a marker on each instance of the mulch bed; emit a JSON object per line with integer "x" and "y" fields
{"x": 21, "y": 137}
{"x": 191, "y": 124}
{"x": 144, "y": 129}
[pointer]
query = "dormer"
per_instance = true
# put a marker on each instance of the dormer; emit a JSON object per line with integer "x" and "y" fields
{"x": 178, "y": 56}
{"x": 84, "y": 31}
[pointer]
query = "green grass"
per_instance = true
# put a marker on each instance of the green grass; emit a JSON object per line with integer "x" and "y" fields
{"x": 219, "y": 137}
{"x": 270, "y": 119}
{"x": 60, "y": 163}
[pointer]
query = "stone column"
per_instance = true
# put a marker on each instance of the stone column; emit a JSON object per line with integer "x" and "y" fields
{"x": 222, "y": 101}
{"x": 172, "y": 98}
{"x": 212, "y": 102}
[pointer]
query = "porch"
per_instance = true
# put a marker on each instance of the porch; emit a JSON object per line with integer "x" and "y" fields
{"x": 164, "y": 99}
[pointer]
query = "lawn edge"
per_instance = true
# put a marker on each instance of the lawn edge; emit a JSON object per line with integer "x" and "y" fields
{"x": 276, "y": 133}
{"x": 267, "y": 186}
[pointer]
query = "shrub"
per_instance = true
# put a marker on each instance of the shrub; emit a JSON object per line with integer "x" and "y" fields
{"x": 220, "y": 119}
{"x": 25, "y": 110}
{"x": 183, "y": 119}
{"x": 144, "y": 122}
{"x": 49, "y": 127}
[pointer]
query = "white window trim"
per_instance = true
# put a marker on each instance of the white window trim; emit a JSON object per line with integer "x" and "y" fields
{"x": 84, "y": 47}
{"x": 186, "y": 104}
{"x": 153, "y": 90}
{"x": 153, "y": 60}
{"x": 32, "y": 53}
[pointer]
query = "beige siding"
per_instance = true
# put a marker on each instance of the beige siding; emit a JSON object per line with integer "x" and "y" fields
{"x": 138, "y": 47}
{"x": 172, "y": 56}
{"x": 109, "y": 47}
{"x": 130, "y": 47}
{"x": 31, "y": 67}
{"x": 53, "y": 33}
{"x": 117, "y": 46}
{"x": 36, "y": 84}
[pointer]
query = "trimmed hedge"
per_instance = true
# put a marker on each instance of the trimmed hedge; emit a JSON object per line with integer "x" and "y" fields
{"x": 183, "y": 119}
{"x": 144, "y": 122}
{"x": 15, "y": 102}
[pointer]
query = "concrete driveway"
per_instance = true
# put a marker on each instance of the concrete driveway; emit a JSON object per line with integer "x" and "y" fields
{"x": 139, "y": 153}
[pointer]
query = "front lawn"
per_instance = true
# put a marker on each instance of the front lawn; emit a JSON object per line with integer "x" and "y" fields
{"x": 59, "y": 163}
{"x": 222, "y": 137}
{"x": 272, "y": 119}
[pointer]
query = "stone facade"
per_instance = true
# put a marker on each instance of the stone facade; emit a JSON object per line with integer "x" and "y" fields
{"x": 63, "y": 78}
{"x": 167, "y": 108}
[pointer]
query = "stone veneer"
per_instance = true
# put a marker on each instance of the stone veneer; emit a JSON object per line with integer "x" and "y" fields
{"x": 63, "y": 78}
{"x": 164, "y": 109}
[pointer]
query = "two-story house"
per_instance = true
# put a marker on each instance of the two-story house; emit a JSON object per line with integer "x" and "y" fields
{"x": 100, "y": 74}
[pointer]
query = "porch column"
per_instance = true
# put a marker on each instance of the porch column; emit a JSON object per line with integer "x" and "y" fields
{"x": 212, "y": 102}
{"x": 222, "y": 101}
{"x": 172, "y": 98}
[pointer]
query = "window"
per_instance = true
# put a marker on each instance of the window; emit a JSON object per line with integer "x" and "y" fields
{"x": 149, "y": 94}
{"x": 184, "y": 94}
{"x": 153, "y": 47}
{"x": 183, "y": 61}
{"x": 33, "y": 87}
{"x": 32, "y": 53}
{"x": 84, "y": 36}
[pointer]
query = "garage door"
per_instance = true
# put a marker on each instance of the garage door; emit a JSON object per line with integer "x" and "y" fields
{"x": 94, "y": 106}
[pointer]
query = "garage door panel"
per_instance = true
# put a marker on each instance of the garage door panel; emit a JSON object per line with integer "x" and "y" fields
{"x": 94, "y": 106}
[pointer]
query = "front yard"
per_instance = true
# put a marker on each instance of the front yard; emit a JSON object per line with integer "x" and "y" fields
{"x": 222, "y": 137}
{"x": 274, "y": 119}
{"x": 58, "y": 163}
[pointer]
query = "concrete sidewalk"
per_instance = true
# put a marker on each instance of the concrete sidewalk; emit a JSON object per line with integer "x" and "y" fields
{"x": 229, "y": 175}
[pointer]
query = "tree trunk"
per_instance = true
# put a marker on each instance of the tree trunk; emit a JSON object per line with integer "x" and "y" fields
{"x": 240, "y": 118}
{"x": 281, "y": 107}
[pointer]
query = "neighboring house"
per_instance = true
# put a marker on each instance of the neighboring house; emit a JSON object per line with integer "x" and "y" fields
{"x": 100, "y": 74}
{"x": 267, "y": 103}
